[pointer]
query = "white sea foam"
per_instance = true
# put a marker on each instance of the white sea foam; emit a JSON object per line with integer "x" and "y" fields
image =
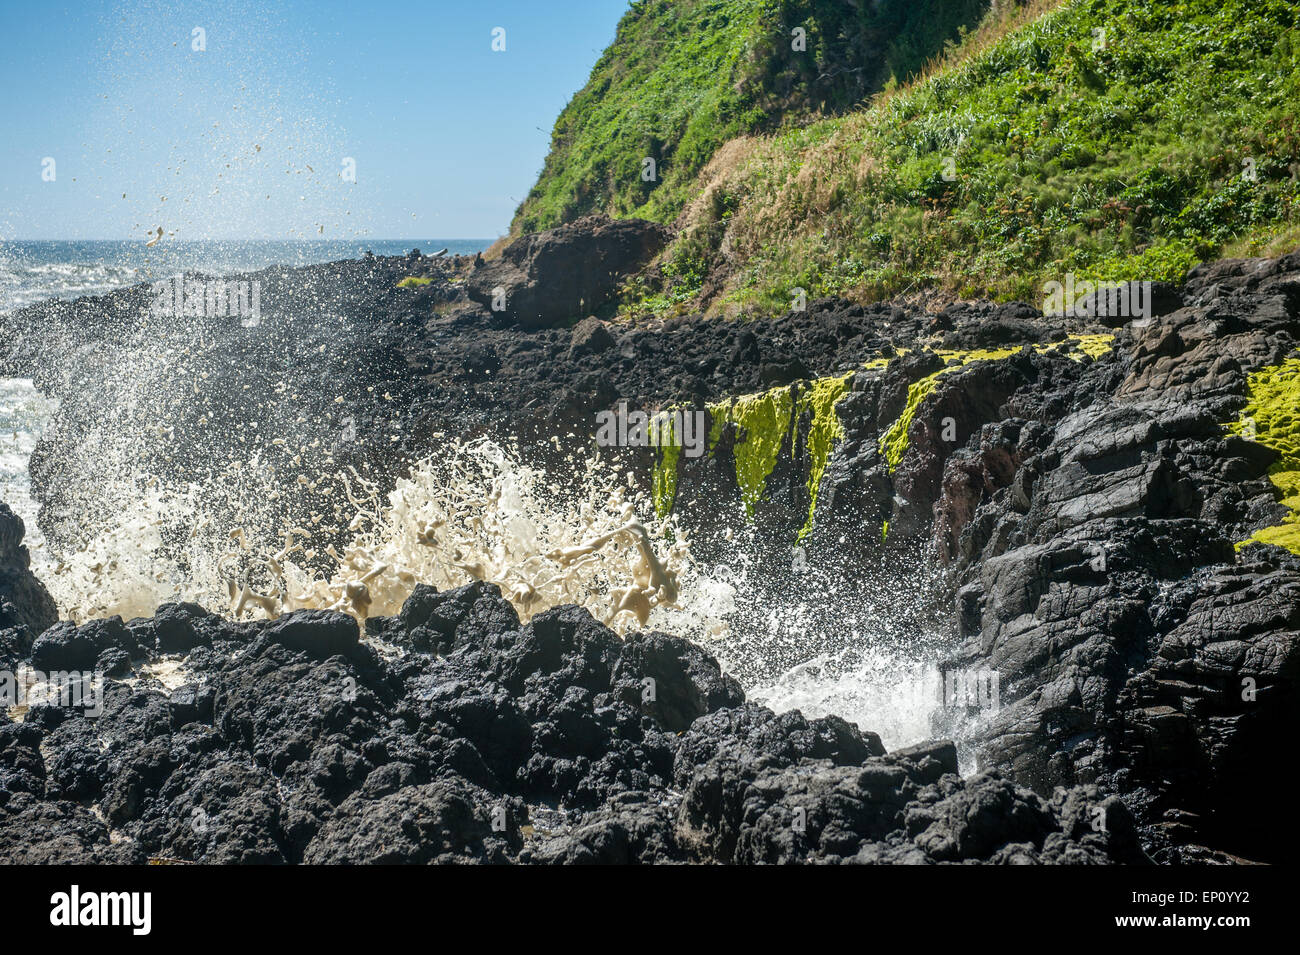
{"x": 24, "y": 413}
{"x": 828, "y": 636}
{"x": 473, "y": 513}
{"x": 886, "y": 691}
{"x": 22, "y": 284}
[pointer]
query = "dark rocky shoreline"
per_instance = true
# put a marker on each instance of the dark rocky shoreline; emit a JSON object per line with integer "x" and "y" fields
{"x": 295, "y": 742}
{"x": 1084, "y": 515}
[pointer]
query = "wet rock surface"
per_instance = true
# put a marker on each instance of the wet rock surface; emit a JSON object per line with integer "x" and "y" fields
{"x": 1086, "y": 511}
{"x": 1089, "y": 523}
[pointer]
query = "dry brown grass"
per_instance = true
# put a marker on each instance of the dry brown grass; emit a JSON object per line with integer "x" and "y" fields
{"x": 794, "y": 201}
{"x": 1281, "y": 243}
{"x": 723, "y": 171}
{"x": 494, "y": 250}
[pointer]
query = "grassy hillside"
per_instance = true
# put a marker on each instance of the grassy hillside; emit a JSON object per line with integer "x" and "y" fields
{"x": 1168, "y": 139}
{"x": 685, "y": 76}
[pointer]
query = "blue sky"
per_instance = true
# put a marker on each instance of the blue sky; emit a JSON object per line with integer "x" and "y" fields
{"x": 248, "y": 138}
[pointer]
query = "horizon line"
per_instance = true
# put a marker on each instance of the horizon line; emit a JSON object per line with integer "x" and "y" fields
{"x": 475, "y": 238}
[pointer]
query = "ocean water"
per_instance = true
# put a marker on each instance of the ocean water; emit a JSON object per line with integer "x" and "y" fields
{"x": 31, "y": 271}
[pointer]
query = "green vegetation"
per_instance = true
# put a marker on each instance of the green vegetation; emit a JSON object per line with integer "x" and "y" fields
{"x": 411, "y": 281}
{"x": 1273, "y": 419}
{"x": 1170, "y": 138}
{"x": 1094, "y": 346}
{"x": 683, "y": 77}
{"x": 1111, "y": 139}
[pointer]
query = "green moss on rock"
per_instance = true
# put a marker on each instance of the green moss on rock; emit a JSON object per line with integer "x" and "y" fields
{"x": 894, "y": 442}
{"x": 762, "y": 422}
{"x": 1094, "y": 346}
{"x": 824, "y": 430}
{"x": 1273, "y": 417}
{"x": 663, "y": 484}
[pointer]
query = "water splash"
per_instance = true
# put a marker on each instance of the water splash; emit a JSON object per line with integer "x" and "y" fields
{"x": 472, "y": 512}
{"x": 475, "y": 512}
{"x": 24, "y": 413}
{"x": 169, "y": 483}
{"x": 167, "y": 494}
{"x": 825, "y": 636}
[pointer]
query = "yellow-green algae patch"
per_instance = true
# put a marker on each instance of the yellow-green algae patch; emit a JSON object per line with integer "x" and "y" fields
{"x": 718, "y": 418}
{"x": 762, "y": 422}
{"x": 894, "y": 442}
{"x": 663, "y": 482}
{"x": 1273, "y": 415}
{"x": 412, "y": 281}
{"x": 824, "y": 430}
{"x": 1094, "y": 346}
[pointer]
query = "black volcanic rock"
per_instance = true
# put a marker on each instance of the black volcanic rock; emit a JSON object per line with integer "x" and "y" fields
{"x": 179, "y": 628}
{"x": 24, "y": 601}
{"x": 272, "y": 754}
{"x": 66, "y": 646}
{"x": 553, "y": 277}
{"x": 1085, "y": 512}
{"x": 1097, "y": 575}
{"x": 590, "y": 337}
{"x": 321, "y": 633}
{"x": 773, "y": 374}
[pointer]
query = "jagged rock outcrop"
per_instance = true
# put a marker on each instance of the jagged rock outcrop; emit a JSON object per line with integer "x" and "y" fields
{"x": 1087, "y": 506}
{"x": 551, "y": 742}
{"x": 553, "y": 277}
{"x": 25, "y": 604}
{"x": 1084, "y": 496}
{"x": 1094, "y": 535}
